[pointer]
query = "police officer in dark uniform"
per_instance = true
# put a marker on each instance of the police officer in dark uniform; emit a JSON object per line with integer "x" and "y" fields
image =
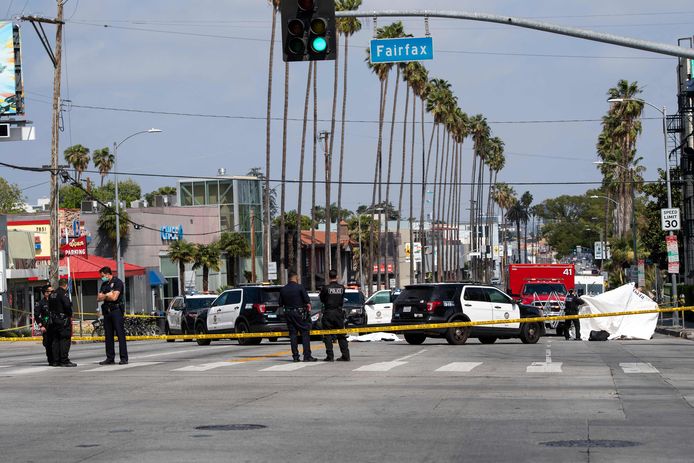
{"x": 332, "y": 296}
{"x": 42, "y": 319}
{"x": 60, "y": 314}
{"x": 111, "y": 294}
{"x": 571, "y": 305}
{"x": 295, "y": 302}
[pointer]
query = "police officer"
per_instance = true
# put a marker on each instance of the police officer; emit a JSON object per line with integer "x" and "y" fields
{"x": 42, "y": 319}
{"x": 571, "y": 305}
{"x": 111, "y": 294}
{"x": 295, "y": 301}
{"x": 60, "y": 325}
{"x": 332, "y": 296}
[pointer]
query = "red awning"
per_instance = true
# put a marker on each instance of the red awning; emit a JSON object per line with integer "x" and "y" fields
{"x": 87, "y": 268}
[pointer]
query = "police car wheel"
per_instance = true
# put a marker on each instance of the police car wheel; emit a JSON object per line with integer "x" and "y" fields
{"x": 168, "y": 333}
{"x": 201, "y": 330}
{"x": 487, "y": 339}
{"x": 458, "y": 336}
{"x": 530, "y": 333}
{"x": 415, "y": 338}
{"x": 243, "y": 328}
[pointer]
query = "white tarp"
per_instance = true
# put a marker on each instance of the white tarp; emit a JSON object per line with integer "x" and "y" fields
{"x": 374, "y": 337}
{"x": 624, "y": 298}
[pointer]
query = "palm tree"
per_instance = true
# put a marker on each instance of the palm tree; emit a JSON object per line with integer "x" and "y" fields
{"x": 495, "y": 161}
{"x": 234, "y": 245}
{"x": 206, "y": 256}
{"x": 107, "y": 226}
{"x": 103, "y": 160}
{"x": 617, "y": 148}
{"x": 284, "y": 171}
{"x": 480, "y": 134}
{"x": 505, "y": 197}
{"x": 346, "y": 27}
{"x": 275, "y": 5}
{"x": 301, "y": 170}
{"x": 526, "y": 200}
{"x": 313, "y": 181}
{"x": 517, "y": 214}
{"x": 181, "y": 252}
{"x": 78, "y": 157}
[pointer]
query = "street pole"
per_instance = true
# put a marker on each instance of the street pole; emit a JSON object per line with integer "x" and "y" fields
{"x": 361, "y": 256}
{"x": 252, "y": 245}
{"x": 673, "y": 276}
{"x": 55, "y": 135}
{"x": 119, "y": 264}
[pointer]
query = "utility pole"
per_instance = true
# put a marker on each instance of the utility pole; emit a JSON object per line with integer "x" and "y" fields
{"x": 323, "y": 137}
{"x": 56, "y": 58}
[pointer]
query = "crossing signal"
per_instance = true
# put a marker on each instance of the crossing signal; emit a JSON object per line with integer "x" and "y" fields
{"x": 308, "y": 30}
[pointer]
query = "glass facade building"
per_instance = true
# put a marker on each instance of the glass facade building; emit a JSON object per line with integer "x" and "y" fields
{"x": 236, "y": 198}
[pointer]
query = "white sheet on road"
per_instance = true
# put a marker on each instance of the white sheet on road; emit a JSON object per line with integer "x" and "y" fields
{"x": 374, "y": 337}
{"x": 624, "y": 298}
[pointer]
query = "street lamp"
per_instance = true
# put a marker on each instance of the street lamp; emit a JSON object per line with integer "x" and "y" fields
{"x": 633, "y": 205}
{"x": 119, "y": 263}
{"x": 663, "y": 113}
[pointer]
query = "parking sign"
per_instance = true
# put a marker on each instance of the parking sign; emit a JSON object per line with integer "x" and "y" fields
{"x": 670, "y": 219}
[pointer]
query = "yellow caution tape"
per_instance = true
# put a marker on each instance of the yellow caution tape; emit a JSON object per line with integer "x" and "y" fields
{"x": 17, "y": 328}
{"x": 374, "y": 329}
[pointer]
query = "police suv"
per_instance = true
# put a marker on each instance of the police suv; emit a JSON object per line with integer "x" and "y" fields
{"x": 247, "y": 309}
{"x": 183, "y": 311}
{"x": 460, "y": 302}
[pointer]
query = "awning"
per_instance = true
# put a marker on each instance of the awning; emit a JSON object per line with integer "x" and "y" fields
{"x": 87, "y": 268}
{"x": 156, "y": 278}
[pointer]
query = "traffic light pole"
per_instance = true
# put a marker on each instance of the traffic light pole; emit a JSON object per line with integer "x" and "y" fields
{"x": 662, "y": 48}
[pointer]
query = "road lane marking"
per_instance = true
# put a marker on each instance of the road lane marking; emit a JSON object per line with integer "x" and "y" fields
{"x": 206, "y": 366}
{"x": 638, "y": 368}
{"x": 27, "y": 370}
{"x": 161, "y": 354}
{"x": 544, "y": 367}
{"x": 410, "y": 356}
{"x": 381, "y": 366}
{"x": 459, "y": 366}
{"x": 291, "y": 366}
{"x": 117, "y": 367}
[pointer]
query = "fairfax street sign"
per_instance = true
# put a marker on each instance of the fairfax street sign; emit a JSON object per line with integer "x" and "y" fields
{"x": 401, "y": 49}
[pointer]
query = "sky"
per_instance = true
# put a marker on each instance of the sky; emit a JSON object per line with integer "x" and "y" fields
{"x": 542, "y": 94}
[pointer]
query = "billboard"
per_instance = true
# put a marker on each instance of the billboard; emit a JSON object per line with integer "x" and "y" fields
{"x": 42, "y": 235}
{"x": 11, "y": 94}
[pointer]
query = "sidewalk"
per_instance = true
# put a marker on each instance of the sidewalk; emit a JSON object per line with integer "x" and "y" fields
{"x": 665, "y": 327}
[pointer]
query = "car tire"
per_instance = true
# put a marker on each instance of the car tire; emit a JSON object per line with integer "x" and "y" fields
{"x": 487, "y": 339}
{"x": 530, "y": 333}
{"x": 167, "y": 331}
{"x": 458, "y": 336}
{"x": 200, "y": 329}
{"x": 415, "y": 338}
{"x": 242, "y": 328}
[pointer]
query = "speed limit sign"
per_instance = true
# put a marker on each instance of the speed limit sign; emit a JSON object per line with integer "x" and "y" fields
{"x": 670, "y": 219}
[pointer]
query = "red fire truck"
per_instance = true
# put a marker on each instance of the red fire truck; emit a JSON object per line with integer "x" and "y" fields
{"x": 542, "y": 285}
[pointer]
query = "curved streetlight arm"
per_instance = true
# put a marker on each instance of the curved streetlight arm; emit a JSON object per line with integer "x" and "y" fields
{"x": 605, "y": 197}
{"x": 116, "y": 145}
{"x": 621, "y": 100}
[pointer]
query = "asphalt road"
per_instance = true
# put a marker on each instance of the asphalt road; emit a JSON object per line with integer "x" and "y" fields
{"x": 550, "y": 402}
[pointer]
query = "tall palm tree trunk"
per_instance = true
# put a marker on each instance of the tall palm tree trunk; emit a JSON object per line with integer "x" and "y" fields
{"x": 266, "y": 205}
{"x": 426, "y": 161}
{"x": 388, "y": 174}
{"x": 328, "y": 175}
{"x": 284, "y": 175}
{"x": 313, "y": 182}
{"x": 342, "y": 156}
{"x": 435, "y": 241}
{"x": 396, "y": 255}
{"x": 301, "y": 175}
{"x": 377, "y": 186}
{"x": 473, "y": 228}
{"x": 411, "y": 218}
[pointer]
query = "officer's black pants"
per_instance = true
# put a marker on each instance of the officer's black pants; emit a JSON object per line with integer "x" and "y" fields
{"x": 296, "y": 324}
{"x": 114, "y": 321}
{"x": 48, "y": 344}
{"x": 567, "y": 327}
{"x": 61, "y": 342}
{"x": 334, "y": 320}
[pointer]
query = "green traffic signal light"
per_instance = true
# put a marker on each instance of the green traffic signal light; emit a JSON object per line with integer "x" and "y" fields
{"x": 318, "y": 44}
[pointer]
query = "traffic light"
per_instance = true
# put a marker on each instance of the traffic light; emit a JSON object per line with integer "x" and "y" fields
{"x": 308, "y": 30}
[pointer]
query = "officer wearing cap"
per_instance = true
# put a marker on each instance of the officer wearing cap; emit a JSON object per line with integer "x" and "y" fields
{"x": 42, "y": 319}
{"x": 111, "y": 294}
{"x": 296, "y": 305}
{"x": 60, "y": 314}
{"x": 571, "y": 305}
{"x": 332, "y": 296}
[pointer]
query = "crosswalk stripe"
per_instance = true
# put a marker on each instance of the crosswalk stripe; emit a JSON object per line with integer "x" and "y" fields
{"x": 28, "y": 370}
{"x": 459, "y": 366}
{"x": 544, "y": 367}
{"x": 638, "y": 368}
{"x": 381, "y": 366}
{"x": 206, "y": 366}
{"x": 117, "y": 367}
{"x": 291, "y": 366}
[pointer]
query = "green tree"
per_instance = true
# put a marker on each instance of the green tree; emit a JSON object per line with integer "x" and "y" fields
{"x": 11, "y": 198}
{"x": 107, "y": 226}
{"x": 78, "y": 157}
{"x": 652, "y": 236}
{"x": 128, "y": 191}
{"x": 207, "y": 256}
{"x": 235, "y": 245}
{"x": 181, "y": 252}
{"x": 71, "y": 197}
{"x": 517, "y": 214}
{"x": 103, "y": 160}
{"x": 526, "y": 200}
{"x": 505, "y": 197}
{"x": 290, "y": 220}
